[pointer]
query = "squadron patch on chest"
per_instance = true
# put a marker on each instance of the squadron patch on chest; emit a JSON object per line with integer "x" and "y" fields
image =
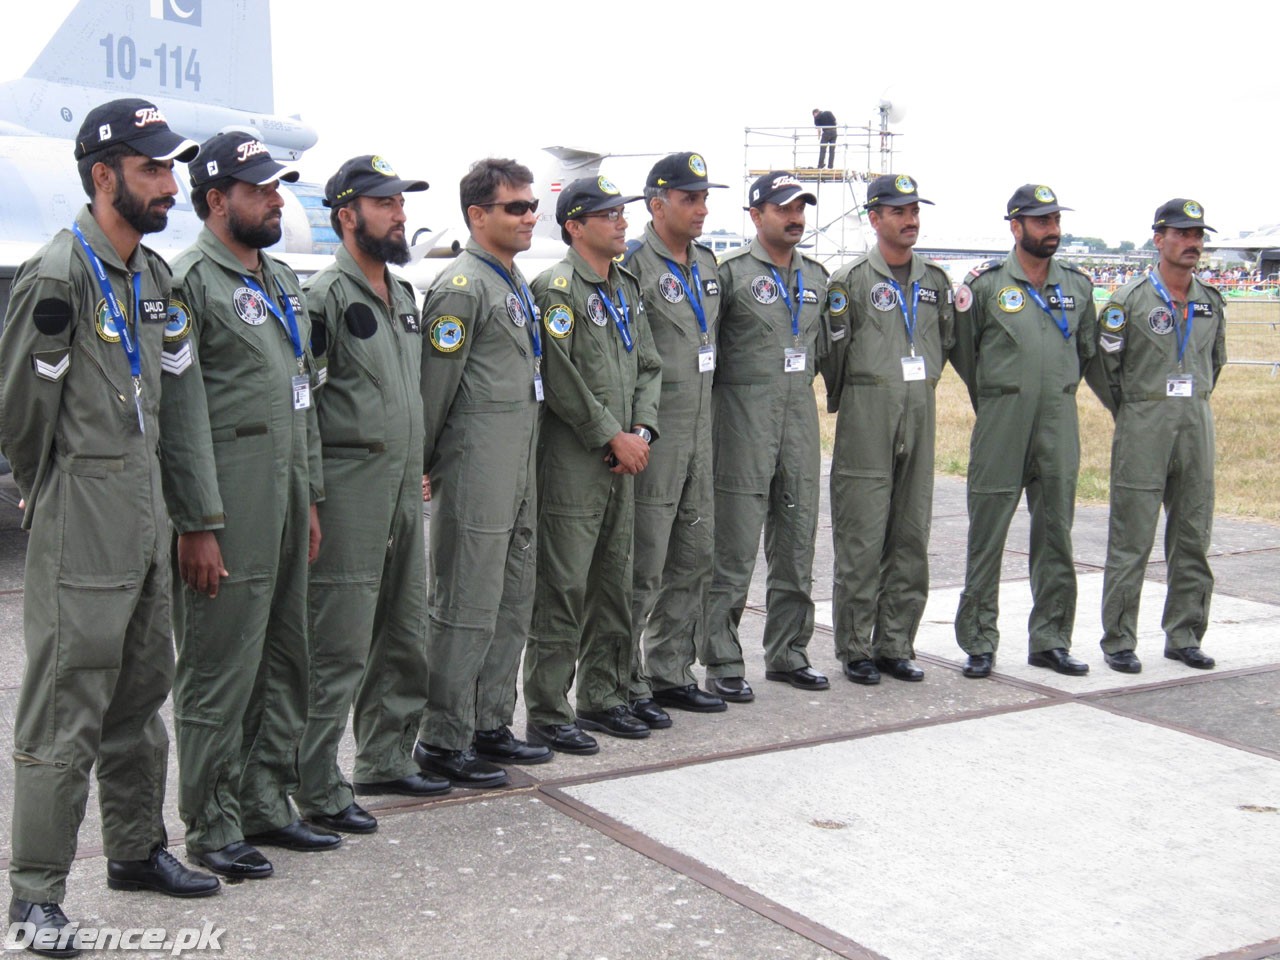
{"x": 249, "y": 306}
{"x": 1160, "y": 320}
{"x": 883, "y": 296}
{"x": 596, "y": 311}
{"x": 105, "y": 323}
{"x": 670, "y": 287}
{"x": 1011, "y": 299}
{"x": 515, "y": 310}
{"x": 764, "y": 289}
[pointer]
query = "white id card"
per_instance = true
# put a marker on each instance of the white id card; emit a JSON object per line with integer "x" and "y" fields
{"x": 537, "y": 387}
{"x": 793, "y": 361}
{"x": 301, "y": 392}
{"x": 706, "y": 358}
{"x": 1179, "y": 386}
{"x": 912, "y": 368}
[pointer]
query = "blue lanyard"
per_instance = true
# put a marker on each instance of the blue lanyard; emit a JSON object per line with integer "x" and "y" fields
{"x": 288, "y": 320}
{"x": 1062, "y": 324}
{"x": 526, "y": 301}
{"x": 1185, "y": 336}
{"x": 694, "y": 295}
{"x": 793, "y": 307}
{"x": 909, "y": 319}
{"x": 131, "y": 348}
{"x": 620, "y": 320}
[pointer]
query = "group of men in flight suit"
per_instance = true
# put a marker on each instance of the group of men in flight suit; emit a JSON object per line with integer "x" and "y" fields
{"x": 215, "y": 450}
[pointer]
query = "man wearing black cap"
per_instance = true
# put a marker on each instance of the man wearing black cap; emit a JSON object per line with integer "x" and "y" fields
{"x": 675, "y": 511}
{"x": 603, "y": 381}
{"x": 80, "y": 363}
{"x": 891, "y": 327}
{"x": 767, "y": 457}
{"x": 1025, "y": 328}
{"x": 1161, "y": 345}
{"x": 367, "y": 589}
{"x": 242, "y": 477}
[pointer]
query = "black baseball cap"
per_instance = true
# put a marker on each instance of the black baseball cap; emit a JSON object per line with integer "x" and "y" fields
{"x": 240, "y": 156}
{"x": 780, "y": 187}
{"x": 1181, "y": 212}
{"x": 893, "y": 190}
{"x": 588, "y": 195}
{"x": 367, "y": 176}
{"x": 681, "y": 171}
{"x": 140, "y": 124}
{"x": 1033, "y": 200}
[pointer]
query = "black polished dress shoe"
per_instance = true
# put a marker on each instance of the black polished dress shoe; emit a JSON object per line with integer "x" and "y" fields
{"x": 802, "y": 678}
{"x": 562, "y": 737}
{"x": 616, "y": 721}
{"x": 461, "y": 767}
{"x": 690, "y": 698}
{"x": 502, "y": 746}
{"x": 979, "y": 665}
{"x": 414, "y": 785}
{"x": 353, "y": 819}
{"x": 297, "y": 836}
{"x": 161, "y": 872}
{"x": 646, "y": 709}
{"x": 1192, "y": 657}
{"x": 733, "y": 689}
{"x": 1123, "y": 661}
{"x": 900, "y": 668}
{"x": 863, "y": 672}
{"x": 49, "y": 922}
{"x": 1059, "y": 661}
{"x": 236, "y": 861}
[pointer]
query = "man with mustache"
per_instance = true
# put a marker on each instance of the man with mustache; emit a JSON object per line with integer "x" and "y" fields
{"x": 367, "y": 589}
{"x": 80, "y": 363}
{"x": 1161, "y": 346}
{"x": 1025, "y": 328}
{"x": 241, "y": 456}
{"x": 891, "y": 325}
{"x": 767, "y": 457}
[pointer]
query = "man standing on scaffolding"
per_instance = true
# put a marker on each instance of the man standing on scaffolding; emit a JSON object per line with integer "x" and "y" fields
{"x": 825, "y": 121}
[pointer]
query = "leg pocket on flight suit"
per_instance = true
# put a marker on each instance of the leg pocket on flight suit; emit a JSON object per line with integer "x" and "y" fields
{"x": 91, "y": 625}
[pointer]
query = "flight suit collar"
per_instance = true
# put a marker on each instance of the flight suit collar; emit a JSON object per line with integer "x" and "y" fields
{"x": 1056, "y": 274}
{"x": 879, "y": 264}
{"x": 103, "y": 247}
{"x": 587, "y": 272}
{"x": 762, "y": 255}
{"x": 476, "y": 250}
{"x": 651, "y": 237}
{"x": 347, "y": 264}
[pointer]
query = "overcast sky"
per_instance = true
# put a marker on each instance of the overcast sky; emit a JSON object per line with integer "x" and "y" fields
{"x": 1117, "y": 107}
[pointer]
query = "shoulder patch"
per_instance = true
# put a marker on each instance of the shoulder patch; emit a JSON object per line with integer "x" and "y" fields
{"x": 459, "y": 280}
{"x": 178, "y": 323}
{"x": 51, "y": 316}
{"x": 319, "y": 339}
{"x": 561, "y": 282}
{"x": 982, "y": 268}
{"x": 447, "y": 333}
{"x": 1113, "y": 318}
{"x": 964, "y": 298}
{"x": 1110, "y": 343}
{"x": 558, "y": 320}
{"x": 176, "y": 362}
{"x": 360, "y": 320}
{"x": 51, "y": 364}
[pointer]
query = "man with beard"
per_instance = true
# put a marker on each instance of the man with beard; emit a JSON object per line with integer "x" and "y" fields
{"x": 367, "y": 587}
{"x": 81, "y": 435}
{"x": 767, "y": 456}
{"x": 241, "y": 455}
{"x": 892, "y": 325}
{"x": 482, "y": 399}
{"x": 1025, "y": 328}
{"x": 1162, "y": 343}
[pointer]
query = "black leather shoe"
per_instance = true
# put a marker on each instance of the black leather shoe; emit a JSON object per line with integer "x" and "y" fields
{"x": 979, "y": 665}
{"x": 461, "y": 767}
{"x": 162, "y": 873}
{"x": 802, "y": 678}
{"x": 1059, "y": 661}
{"x": 1123, "y": 661}
{"x": 49, "y": 922}
{"x": 690, "y": 698}
{"x": 414, "y": 785}
{"x": 297, "y": 836}
{"x": 353, "y": 819}
{"x": 502, "y": 746}
{"x": 733, "y": 689}
{"x": 863, "y": 672}
{"x": 562, "y": 737}
{"x": 1192, "y": 657}
{"x": 646, "y": 709}
{"x": 616, "y": 721}
{"x": 900, "y": 668}
{"x": 235, "y": 861}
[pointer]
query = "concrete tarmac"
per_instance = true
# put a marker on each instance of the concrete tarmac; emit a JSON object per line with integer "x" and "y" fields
{"x": 1110, "y": 817}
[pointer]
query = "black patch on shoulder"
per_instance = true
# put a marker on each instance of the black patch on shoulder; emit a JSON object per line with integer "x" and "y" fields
{"x": 319, "y": 340}
{"x": 52, "y": 316}
{"x": 361, "y": 321}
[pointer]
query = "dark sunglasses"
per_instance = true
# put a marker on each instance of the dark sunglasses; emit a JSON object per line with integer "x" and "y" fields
{"x": 517, "y": 208}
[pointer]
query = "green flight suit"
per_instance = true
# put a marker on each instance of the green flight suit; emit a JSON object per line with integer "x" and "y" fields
{"x": 239, "y": 459}
{"x": 481, "y": 419}
{"x": 767, "y": 455}
{"x": 367, "y": 590}
{"x": 675, "y": 512}
{"x": 1162, "y": 453}
{"x": 882, "y": 467}
{"x": 595, "y": 388}
{"x": 1022, "y": 375}
{"x": 99, "y": 658}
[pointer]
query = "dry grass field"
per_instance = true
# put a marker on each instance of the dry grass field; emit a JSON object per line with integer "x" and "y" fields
{"x": 1246, "y": 406}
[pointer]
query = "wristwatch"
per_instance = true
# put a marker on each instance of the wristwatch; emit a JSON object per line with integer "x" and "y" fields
{"x": 643, "y": 433}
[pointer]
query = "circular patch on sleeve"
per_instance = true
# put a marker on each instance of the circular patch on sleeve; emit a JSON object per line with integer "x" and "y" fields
{"x": 837, "y": 301}
{"x": 964, "y": 298}
{"x": 177, "y": 322}
{"x": 51, "y": 316}
{"x": 1113, "y": 319}
{"x": 447, "y": 334}
{"x": 558, "y": 321}
{"x": 1011, "y": 299}
{"x": 360, "y": 320}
